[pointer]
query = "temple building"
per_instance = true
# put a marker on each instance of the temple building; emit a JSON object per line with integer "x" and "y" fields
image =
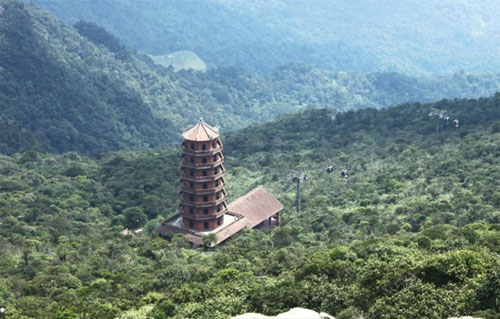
{"x": 203, "y": 207}
{"x": 203, "y": 198}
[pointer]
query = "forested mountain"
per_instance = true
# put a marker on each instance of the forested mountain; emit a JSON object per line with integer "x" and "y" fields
{"x": 423, "y": 36}
{"x": 80, "y": 89}
{"x": 88, "y": 127}
{"x": 412, "y": 233}
{"x": 59, "y": 92}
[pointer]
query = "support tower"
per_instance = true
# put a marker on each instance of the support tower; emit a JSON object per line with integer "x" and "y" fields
{"x": 203, "y": 197}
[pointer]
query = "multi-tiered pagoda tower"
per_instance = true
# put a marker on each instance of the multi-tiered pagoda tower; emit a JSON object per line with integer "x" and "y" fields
{"x": 203, "y": 208}
{"x": 203, "y": 198}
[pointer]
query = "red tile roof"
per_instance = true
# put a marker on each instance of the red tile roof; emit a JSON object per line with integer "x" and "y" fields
{"x": 200, "y": 132}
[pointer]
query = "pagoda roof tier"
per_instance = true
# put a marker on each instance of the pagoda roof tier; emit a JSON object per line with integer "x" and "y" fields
{"x": 201, "y": 204}
{"x": 201, "y": 132}
{"x": 204, "y": 217}
{"x": 212, "y": 151}
{"x": 204, "y": 191}
{"x": 207, "y": 178}
{"x": 203, "y": 165}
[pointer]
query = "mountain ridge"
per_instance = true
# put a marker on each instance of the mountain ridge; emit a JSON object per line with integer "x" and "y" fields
{"x": 65, "y": 88}
{"x": 415, "y": 37}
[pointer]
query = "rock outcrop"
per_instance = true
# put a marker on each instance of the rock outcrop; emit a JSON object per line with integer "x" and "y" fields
{"x": 295, "y": 313}
{"x": 181, "y": 60}
{"x": 302, "y": 313}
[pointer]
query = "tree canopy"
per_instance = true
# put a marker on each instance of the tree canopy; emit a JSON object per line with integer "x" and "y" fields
{"x": 412, "y": 233}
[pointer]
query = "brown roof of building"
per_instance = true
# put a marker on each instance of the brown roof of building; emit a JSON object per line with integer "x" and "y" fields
{"x": 252, "y": 209}
{"x": 255, "y": 207}
{"x": 230, "y": 230}
{"x": 200, "y": 132}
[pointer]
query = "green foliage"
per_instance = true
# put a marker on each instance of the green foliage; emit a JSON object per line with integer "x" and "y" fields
{"x": 421, "y": 301}
{"x": 99, "y": 36}
{"x": 488, "y": 293}
{"x": 210, "y": 239}
{"x": 262, "y": 35}
{"x": 78, "y": 88}
{"x": 412, "y": 233}
{"x": 134, "y": 217}
{"x": 164, "y": 309}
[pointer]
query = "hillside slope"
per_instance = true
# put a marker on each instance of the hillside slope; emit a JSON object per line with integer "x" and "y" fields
{"x": 389, "y": 35}
{"x": 79, "y": 88}
{"x": 60, "y": 92}
{"x": 412, "y": 233}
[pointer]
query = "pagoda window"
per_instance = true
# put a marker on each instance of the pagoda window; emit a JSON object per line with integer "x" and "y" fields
{"x": 205, "y": 198}
{"x": 205, "y": 211}
{"x": 219, "y": 221}
{"x": 191, "y": 198}
{"x": 191, "y": 224}
{"x": 216, "y": 170}
{"x": 191, "y": 173}
{"x": 216, "y": 183}
{"x": 191, "y": 210}
{"x": 204, "y": 147}
{"x": 217, "y": 196}
{"x": 205, "y": 185}
{"x": 215, "y": 158}
{"x": 191, "y": 185}
{"x": 192, "y": 146}
{"x": 214, "y": 145}
{"x": 205, "y": 225}
{"x": 205, "y": 173}
{"x": 218, "y": 208}
{"x": 204, "y": 160}
{"x": 192, "y": 159}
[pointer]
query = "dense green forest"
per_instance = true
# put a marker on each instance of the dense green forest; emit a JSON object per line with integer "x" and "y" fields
{"x": 78, "y": 88}
{"x": 406, "y": 36}
{"x": 87, "y": 128}
{"x": 412, "y": 233}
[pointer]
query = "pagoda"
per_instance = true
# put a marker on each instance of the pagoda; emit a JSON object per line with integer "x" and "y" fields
{"x": 203, "y": 208}
{"x": 203, "y": 197}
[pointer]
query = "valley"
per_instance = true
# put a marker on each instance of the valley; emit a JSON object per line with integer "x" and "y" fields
{"x": 400, "y": 210}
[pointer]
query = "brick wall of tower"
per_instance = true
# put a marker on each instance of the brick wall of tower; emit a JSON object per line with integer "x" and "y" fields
{"x": 202, "y": 194}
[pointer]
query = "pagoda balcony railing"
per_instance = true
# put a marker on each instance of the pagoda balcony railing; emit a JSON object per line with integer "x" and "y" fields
{"x": 202, "y": 204}
{"x": 212, "y": 151}
{"x": 203, "y": 216}
{"x": 203, "y": 191}
{"x": 202, "y": 165}
{"x": 207, "y": 178}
